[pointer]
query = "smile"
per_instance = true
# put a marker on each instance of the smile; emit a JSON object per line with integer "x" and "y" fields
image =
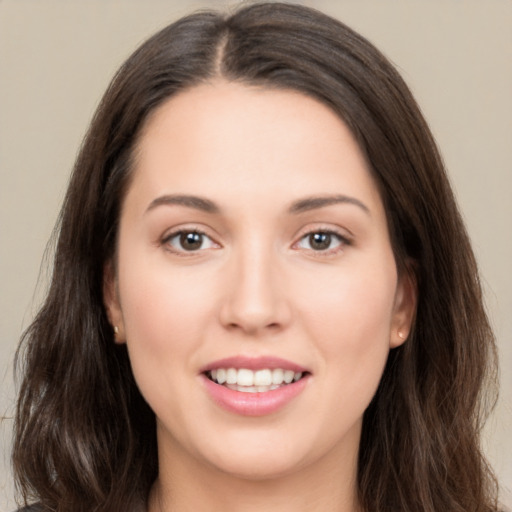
{"x": 254, "y": 386}
{"x": 253, "y": 381}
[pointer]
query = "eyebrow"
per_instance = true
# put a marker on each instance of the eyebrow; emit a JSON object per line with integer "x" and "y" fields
{"x": 314, "y": 202}
{"x": 299, "y": 206}
{"x": 199, "y": 203}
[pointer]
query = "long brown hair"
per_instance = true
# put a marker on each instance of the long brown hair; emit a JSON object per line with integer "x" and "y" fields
{"x": 85, "y": 438}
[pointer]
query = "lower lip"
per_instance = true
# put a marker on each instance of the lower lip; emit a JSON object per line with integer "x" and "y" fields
{"x": 253, "y": 404}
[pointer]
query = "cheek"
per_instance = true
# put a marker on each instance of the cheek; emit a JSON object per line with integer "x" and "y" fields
{"x": 164, "y": 314}
{"x": 350, "y": 319}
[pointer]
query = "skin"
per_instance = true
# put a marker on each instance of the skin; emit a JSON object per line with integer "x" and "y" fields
{"x": 256, "y": 286}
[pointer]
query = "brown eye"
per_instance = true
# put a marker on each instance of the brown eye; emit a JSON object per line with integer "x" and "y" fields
{"x": 189, "y": 241}
{"x": 320, "y": 241}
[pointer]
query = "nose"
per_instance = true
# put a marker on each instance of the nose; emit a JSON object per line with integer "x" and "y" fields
{"x": 255, "y": 300}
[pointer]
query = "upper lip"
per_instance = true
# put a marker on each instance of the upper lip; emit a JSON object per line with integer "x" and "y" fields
{"x": 253, "y": 363}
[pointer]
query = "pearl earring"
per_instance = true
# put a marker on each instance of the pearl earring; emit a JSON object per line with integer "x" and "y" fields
{"x": 401, "y": 335}
{"x": 116, "y": 329}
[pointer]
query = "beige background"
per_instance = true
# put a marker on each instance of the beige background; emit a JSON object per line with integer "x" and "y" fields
{"x": 57, "y": 56}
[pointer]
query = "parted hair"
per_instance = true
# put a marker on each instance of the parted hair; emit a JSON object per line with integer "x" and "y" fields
{"x": 85, "y": 438}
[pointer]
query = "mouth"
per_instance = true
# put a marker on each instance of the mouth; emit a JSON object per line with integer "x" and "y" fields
{"x": 261, "y": 380}
{"x": 254, "y": 386}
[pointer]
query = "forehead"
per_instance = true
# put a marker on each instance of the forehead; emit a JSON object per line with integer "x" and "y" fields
{"x": 239, "y": 140}
{"x": 256, "y": 111}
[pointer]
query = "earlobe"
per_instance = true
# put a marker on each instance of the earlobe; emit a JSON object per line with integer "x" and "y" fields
{"x": 406, "y": 300}
{"x": 112, "y": 304}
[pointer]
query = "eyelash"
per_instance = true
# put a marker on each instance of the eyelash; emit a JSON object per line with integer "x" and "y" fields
{"x": 343, "y": 241}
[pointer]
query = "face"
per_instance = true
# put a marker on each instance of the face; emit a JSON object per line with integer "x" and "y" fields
{"x": 255, "y": 285}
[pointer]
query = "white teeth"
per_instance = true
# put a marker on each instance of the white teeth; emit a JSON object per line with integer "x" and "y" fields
{"x": 263, "y": 378}
{"x": 277, "y": 376}
{"x": 245, "y": 377}
{"x": 288, "y": 376}
{"x": 251, "y": 389}
{"x": 231, "y": 376}
{"x": 250, "y": 381}
{"x": 247, "y": 389}
{"x": 221, "y": 375}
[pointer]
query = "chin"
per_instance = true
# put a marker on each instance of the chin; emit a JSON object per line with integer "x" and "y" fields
{"x": 265, "y": 458}
{"x": 259, "y": 468}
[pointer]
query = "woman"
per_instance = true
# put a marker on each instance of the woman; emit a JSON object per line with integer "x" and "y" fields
{"x": 263, "y": 294}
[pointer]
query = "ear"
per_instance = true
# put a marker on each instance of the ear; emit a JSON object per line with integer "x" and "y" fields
{"x": 406, "y": 300}
{"x": 111, "y": 302}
